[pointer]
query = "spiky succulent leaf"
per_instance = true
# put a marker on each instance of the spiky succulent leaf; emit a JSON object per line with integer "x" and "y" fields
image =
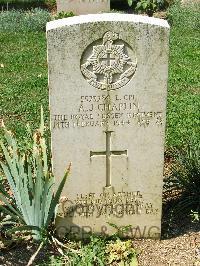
{"x": 31, "y": 182}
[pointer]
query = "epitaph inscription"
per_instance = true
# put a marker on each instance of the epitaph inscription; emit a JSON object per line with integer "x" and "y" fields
{"x": 106, "y": 204}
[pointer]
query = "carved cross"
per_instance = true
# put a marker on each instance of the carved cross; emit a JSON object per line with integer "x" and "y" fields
{"x": 108, "y": 153}
{"x": 108, "y": 58}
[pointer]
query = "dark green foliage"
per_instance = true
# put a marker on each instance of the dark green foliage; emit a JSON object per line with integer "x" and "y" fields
{"x": 88, "y": 254}
{"x": 148, "y": 6}
{"x": 185, "y": 179}
{"x": 93, "y": 253}
{"x": 63, "y": 14}
{"x": 96, "y": 252}
{"x": 51, "y": 3}
{"x": 26, "y": 4}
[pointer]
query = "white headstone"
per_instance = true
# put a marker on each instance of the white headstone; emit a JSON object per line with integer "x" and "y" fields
{"x": 79, "y": 7}
{"x": 108, "y": 88}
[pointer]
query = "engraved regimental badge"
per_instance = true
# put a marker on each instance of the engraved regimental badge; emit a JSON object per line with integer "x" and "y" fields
{"x": 108, "y": 66}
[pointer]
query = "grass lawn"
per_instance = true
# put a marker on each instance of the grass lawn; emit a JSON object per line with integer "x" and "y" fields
{"x": 183, "y": 112}
{"x": 24, "y": 78}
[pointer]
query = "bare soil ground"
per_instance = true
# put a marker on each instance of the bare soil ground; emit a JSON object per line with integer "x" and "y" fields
{"x": 179, "y": 250}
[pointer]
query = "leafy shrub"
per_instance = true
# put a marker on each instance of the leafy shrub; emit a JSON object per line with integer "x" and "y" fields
{"x": 121, "y": 252}
{"x": 63, "y": 14}
{"x": 33, "y": 202}
{"x": 19, "y": 21}
{"x": 98, "y": 251}
{"x": 148, "y": 6}
{"x": 79, "y": 254}
{"x": 185, "y": 180}
{"x": 51, "y": 4}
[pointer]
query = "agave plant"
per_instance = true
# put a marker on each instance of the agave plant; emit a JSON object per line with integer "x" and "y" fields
{"x": 31, "y": 184}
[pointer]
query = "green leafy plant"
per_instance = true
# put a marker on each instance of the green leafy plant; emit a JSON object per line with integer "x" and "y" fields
{"x": 130, "y": 2}
{"x": 82, "y": 254}
{"x": 51, "y": 3}
{"x": 98, "y": 251}
{"x": 121, "y": 231}
{"x": 63, "y": 14}
{"x": 121, "y": 252}
{"x": 195, "y": 216}
{"x": 185, "y": 179}
{"x": 94, "y": 252}
{"x": 33, "y": 202}
{"x": 148, "y": 6}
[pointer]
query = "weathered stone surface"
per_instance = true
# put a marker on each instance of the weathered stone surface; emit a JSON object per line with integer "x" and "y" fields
{"x": 80, "y": 7}
{"x": 108, "y": 89}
